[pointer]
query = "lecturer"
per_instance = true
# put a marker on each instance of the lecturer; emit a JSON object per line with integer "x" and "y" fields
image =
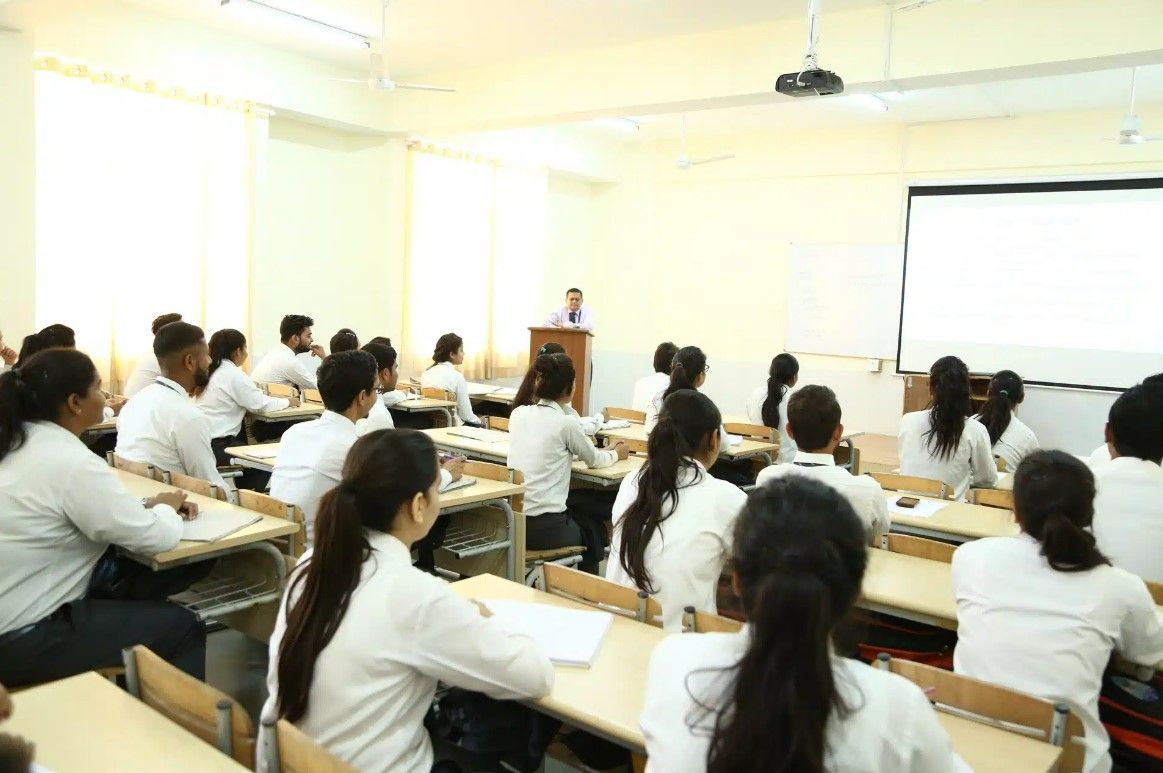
{"x": 572, "y": 315}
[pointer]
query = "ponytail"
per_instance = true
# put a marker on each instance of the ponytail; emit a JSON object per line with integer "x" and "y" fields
{"x": 783, "y": 372}
{"x": 223, "y": 345}
{"x": 685, "y": 426}
{"x": 1054, "y": 503}
{"x": 36, "y": 390}
{"x": 1006, "y": 392}
{"x": 949, "y": 385}
{"x": 553, "y": 377}
{"x": 524, "y": 394}
{"x": 688, "y": 363}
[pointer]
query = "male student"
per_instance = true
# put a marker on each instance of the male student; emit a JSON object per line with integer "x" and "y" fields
{"x": 281, "y": 364}
{"x": 647, "y": 387}
{"x": 147, "y": 369}
{"x": 813, "y": 421}
{"x": 572, "y": 315}
{"x": 1102, "y": 455}
{"x": 1128, "y": 508}
{"x": 344, "y": 340}
{"x": 161, "y": 425}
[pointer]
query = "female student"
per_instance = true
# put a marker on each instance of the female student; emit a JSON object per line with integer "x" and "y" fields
{"x": 1012, "y": 440}
{"x": 673, "y": 521}
{"x": 775, "y": 697}
{"x": 230, "y": 394}
{"x": 688, "y": 370}
{"x": 940, "y": 443}
{"x": 524, "y": 394}
{"x": 442, "y": 374}
{"x": 768, "y": 404}
{"x": 543, "y": 441}
{"x": 62, "y": 509}
{"x": 1042, "y": 612}
{"x": 362, "y": 637}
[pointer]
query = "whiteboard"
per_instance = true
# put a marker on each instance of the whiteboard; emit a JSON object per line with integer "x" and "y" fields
{"x": 845, "y": 299}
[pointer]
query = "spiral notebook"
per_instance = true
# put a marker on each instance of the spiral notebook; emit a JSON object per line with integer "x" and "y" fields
{"x": 570, "y": 637}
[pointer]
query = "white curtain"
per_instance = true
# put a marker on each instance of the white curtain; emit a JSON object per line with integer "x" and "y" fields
{"x": 143, "y": 206}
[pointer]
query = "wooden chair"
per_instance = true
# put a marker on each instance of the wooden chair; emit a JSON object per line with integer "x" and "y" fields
{"x": 296, "y": 543}
{"x": 626, "y": 414}
{"x": 279, "y": 390}
{"x": 919, "y": 547}
{"x": 144, "y": 469}
{"x": 1156, "y": 590}
{"x": 436, "y": 393}
{"x": 312, "y": 396}
{"x": 634, "y": 445}
{"x": 537, "y": 560}
{"x": 992, "y": 497}
{"x": 287, "y": 749}
{"x": 195, "y": 485}
{"x": 499, "y": 423}
{"x": 694, "y": 621}
{"x": 891, "y": 481}
{"x": 999, "y": 706}
{"x": 847, "y": 455}
{"x": 491, "y": 471}
{"x": 753, "y": 432}
{"x": 204, "y": 711}
{"x": 599, "y": 592}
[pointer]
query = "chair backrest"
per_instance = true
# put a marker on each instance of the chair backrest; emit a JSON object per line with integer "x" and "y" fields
{"x": 436, "y": 393}
{"x": 919, "y": 547}
{"x": 847, "y": 455}
{"x": 600, "y": 592}
{"x": 280, "y": 390}
{"x": 633, "y": 445}
{"x": 312, "y": 396}
{"x": 993, "y": 704}
{"x": 196, "y": 485}
{"x": 208, "y": 713}
{"x": 276, "y": 508}
{"x": 695, "y": 621}
{"x": 1156, "y": 590}
{"x": 891, "y": 481}
{"x": 499, "y": 423}
{"x": 500, "y": 472}
{"x": 144, "y": 469}
{"x": 626, "y": 414}
{"x": 753, "y": 431}
{"x": 287, "y": 749}
{"x": 992, "y": 497}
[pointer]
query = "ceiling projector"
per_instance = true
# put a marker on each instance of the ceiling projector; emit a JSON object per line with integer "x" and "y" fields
{"x": 809, "y": 83}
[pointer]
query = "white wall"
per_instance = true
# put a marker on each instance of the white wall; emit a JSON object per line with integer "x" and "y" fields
{"x": 17, "y": 188}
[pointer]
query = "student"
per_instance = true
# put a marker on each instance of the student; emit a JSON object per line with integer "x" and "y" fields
{"x": 688, "y": 371}
{"x": 672, "y": 520}
{"x": 940, "y": 443}
{"x": 775, "y": 697}
{"x": 52, "y": 337}
{"x": 161, "y": 425}
{"x": 1012, "y": 440}
{"x": 1042, "y": 612}
{"x": 344, "y": 341}
{"x": 1128, "y": 511}
{"x": 230, "y": 394}
{"x": 543, "y": 440}
{"x": 768, "y": 404}
{"x": 813, "y": 422}
{"x": 647, "y": 387}
{"x": 362, "y": 638}
{"x": 524, "y": 394}
{"x": 1102, "y": 455}
{"x": 442, "y": 374}
{"x": 387, "y": 376}
{"x": 147, "y": 369}
{"x": 62, "y": 509}
{"x": 281, "y": 364}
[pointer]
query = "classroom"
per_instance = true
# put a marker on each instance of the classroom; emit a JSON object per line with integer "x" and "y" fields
{"x": 536, "y": 385}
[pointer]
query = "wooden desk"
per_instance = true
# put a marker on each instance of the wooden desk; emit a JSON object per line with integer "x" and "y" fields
{"x": 299, "y": 413}
{"x": 957, "y": 521}
{"x": 877, "y": 452}
{"x": 988, "y": 748}
{"x": 744, "y": 450}
{"x": 427, "y": 405}
{"x": 88, "y": 723}
{"x": 503, "y": 398}
{"x": 103, "y": 428}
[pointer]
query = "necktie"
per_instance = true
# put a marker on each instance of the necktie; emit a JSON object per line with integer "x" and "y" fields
{"x": 573, "y": 317}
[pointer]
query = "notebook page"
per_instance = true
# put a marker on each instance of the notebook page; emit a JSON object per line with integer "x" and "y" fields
{"x": 569, "y": 636}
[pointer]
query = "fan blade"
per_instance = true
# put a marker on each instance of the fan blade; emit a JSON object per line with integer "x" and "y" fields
{"x": 422, "y": 87}
{"x": 713, "y": 159}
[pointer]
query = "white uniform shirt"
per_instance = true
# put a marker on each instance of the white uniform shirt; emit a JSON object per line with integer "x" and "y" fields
{"x": 1015, "y": 444}
{"x": 787, "y": 446}
{"x": 686, "y": 555}
{"x": 646, "y": 388}
{"x": 891, "y": 726}
{"x": 281, "y": 366}
{"x": 62, "y": 507}
{"x": 1099, "y": 458}
{"x": 655, "y": 408}
{"x": 379, "y": 418}
{"x": 1026, "y": 626}
{"x": 404, "y": 630}
{"x": 162, "y": 426}
{"x": 560, "y": 318}
{"x": 1128, "y": 515}
{"x": 543, "y": 440}
{"x": 229, "y": 396}
{"x": 145, "y": 373}
{"x": 971, "y": 463}
{"x": 310, "y": 463}
{"x": 862, "y": 492}
{"x": 444, "y": 375}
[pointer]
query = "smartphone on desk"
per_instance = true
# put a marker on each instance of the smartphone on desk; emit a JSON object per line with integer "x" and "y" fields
{"x": 909, "y": 502}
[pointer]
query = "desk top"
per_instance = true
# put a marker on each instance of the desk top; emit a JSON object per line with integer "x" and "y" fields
{"x": 306, "y": 410}
{"x": 988, "y": 748}
{"x": 104, "y": 426}
{"x": 443, "y": 436}
{"x": 746, "y": 448}
{"x": 88, "y": 723}
{"x": 423, "y": 404}
{"x": 964, "y": 519}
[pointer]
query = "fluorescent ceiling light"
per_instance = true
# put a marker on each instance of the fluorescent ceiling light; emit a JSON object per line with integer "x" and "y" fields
{"x": 280, "y": 19}
{"x": 626, "y": 125}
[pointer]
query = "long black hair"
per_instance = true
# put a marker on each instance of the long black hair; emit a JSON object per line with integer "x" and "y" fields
{"x": 446, "y": 346}
{"x": 780, "y": 376}
{"x": 223, "y": 345}
{"x": 688, "y": 363}
{"x": 949, "y": 387}
{"x": 56, "y": 336}
{"x": 36, "y": 390}
{"x": 799, "y": 559}
{"x": 687, "y": 425}
{"x": 384, "y": 470}
{"x": 524, "y": 394}
{"x": 553, "y": 376}
{"x": 1006, "y": 392}
{"x": 1054, "y": 504}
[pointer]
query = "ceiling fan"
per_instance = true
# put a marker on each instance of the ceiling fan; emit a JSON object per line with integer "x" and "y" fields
{"x": 684, "y": 162}
{"x": 380, "y": 78}
{"x": 1129, "y": 134}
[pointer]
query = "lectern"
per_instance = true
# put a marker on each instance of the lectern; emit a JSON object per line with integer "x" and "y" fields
{"x": 577, "y": 344}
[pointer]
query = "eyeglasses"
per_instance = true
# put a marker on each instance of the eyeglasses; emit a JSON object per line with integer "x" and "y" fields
{"x": 707, "y": 368}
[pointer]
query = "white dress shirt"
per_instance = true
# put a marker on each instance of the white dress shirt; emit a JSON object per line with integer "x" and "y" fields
{"x": 444, "y": 375}
{"x": 310, "y": 463}
{"x": 686, "y": 555}
{"x": 1029, "y": 627}
{"x": 891, "y": 725}
{"x": 646, "y": 388}
{"x": 787, "y": 446}
{"x": 655, "y": 408}
{"x": 1128, "y": 515}
{"x": 1099, "y": 458}
{"x": 162, "y": 426}
{"x": 404, "y": 631}
{"x": 1015, "y": 444}
{"x": 62, "y": 507}
{"x": 229, "y": 396}
{"x": 543, "y": 441}
{"x": 560, "y": 318}
{"x": 281, "y": 366}
{"x": 144, "y": 373}
{"x": 862, "y": 492}
{"x": 971, "y": 463}
{"x": 379, "y": 418}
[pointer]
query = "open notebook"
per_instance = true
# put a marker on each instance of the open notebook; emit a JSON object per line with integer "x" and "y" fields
{"x": 458, "y": 484}
{"x": 215, "y": 523}
{"x": 570, "y": 637}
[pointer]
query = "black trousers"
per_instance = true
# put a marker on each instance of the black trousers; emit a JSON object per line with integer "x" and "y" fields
{"x": 559, "y": 530}
{"x": 255, "y": 480}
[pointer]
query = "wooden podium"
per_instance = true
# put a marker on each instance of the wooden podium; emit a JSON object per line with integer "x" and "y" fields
{"x": 577, "y": 344}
